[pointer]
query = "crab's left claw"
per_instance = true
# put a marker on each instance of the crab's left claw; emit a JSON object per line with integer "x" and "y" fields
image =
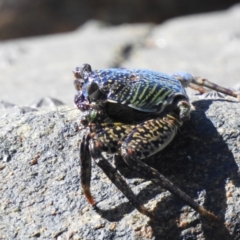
{"x": 86, "y": 167}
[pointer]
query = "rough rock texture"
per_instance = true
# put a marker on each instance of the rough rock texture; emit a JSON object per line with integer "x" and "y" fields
{"x": 39, "y": 170}
{"x": 41, "y": 196}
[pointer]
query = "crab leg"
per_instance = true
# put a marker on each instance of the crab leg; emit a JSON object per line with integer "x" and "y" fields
{"x": 154, "y": 135}
{"x": 205, "y": 83}
{"x": 158, "y": 178}
{"x": 121, "y": 184}
{"x": 86, "y": 167}
{"x": 107, "y": 141}
{"x": 197, "y": 88}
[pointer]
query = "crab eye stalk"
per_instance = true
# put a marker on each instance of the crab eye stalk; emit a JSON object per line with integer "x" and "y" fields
{"x": 84, "y": 70}
{"x": 81, "y": 72}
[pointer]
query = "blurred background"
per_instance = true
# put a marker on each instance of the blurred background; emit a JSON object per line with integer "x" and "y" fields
{"x": 42, "y": 41}
{"x": 23, "y": 18}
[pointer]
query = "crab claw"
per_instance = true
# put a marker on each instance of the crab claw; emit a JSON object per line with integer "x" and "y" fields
{"x": 81, "y": 101}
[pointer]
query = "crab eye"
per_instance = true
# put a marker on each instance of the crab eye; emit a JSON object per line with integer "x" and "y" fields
{"x": 83, "y": 71}
{"x": 93, "y": 90}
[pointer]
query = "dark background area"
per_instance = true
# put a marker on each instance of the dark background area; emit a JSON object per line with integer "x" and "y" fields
{"x": 23, "y": 18}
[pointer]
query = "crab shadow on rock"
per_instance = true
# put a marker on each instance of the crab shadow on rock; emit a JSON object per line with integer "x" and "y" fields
{"x": 199, "y": 162}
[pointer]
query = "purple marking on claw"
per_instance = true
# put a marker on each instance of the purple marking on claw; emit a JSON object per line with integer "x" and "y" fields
{"x": 81, "y": 101}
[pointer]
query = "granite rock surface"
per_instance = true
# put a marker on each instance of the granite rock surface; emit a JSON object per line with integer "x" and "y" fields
{"x": 41, "y": 197}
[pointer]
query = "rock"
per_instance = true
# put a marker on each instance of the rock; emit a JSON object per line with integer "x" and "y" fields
{"x": 41, "y": 195}
{"x": 5, "y": 106}
{"x": 7, "y": 109}
{"x": 46, "y": 102}
{"x": 39, "y": 169}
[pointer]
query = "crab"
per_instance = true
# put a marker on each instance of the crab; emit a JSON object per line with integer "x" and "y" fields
{"x": 133, "y": 114}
